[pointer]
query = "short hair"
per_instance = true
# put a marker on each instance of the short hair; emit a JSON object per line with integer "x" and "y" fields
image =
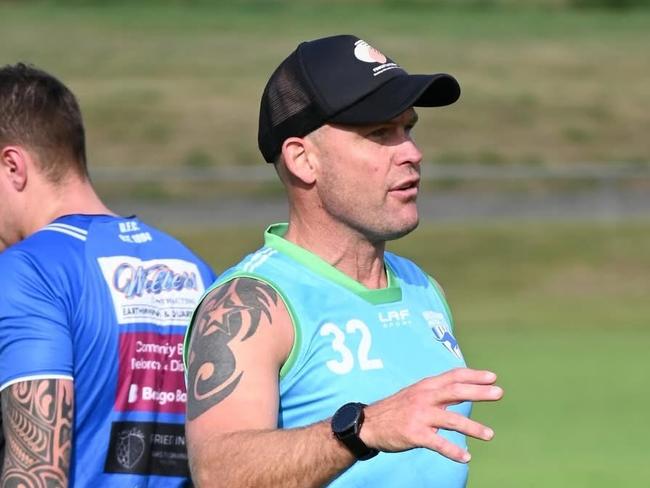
{"x": 39, "y": 112}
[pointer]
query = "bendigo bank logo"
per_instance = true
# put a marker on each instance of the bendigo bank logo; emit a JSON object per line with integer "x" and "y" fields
{"x": 134, "y": 281}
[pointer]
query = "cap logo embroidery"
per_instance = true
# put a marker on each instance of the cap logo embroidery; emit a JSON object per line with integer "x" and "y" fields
{"x": 368, "y": 54}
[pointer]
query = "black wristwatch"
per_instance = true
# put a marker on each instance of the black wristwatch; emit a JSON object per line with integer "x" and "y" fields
{"x": 346, "y": 425}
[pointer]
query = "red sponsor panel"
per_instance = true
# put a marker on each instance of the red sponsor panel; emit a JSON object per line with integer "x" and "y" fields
{"x": 150, "y": 374}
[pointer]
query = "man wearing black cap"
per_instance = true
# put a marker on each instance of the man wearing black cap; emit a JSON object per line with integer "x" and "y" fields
{"x": 322, "y": 358}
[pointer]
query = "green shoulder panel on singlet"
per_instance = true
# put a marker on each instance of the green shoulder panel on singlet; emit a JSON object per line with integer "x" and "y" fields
{"x": 292, "y": 315}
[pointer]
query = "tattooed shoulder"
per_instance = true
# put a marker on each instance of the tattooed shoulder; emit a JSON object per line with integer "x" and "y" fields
{"x": 229, "y": 314}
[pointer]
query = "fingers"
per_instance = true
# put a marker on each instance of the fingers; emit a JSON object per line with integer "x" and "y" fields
{"x": 465, "y": 375}
{"x": 461, "y": 392}
{"x": 462, "y": 384}
{"x": 411, "y": 417}
{"x": 447, "y": 448}
{"x": 459, "y": 423}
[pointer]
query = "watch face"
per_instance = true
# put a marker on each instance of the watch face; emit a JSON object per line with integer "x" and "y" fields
{"x": 345, "y": 417}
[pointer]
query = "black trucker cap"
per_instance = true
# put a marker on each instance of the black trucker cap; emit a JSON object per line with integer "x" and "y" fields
{"x": 341, "y": 80}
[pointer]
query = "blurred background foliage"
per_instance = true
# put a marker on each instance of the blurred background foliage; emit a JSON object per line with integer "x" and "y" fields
{"x": 177, "y": 83}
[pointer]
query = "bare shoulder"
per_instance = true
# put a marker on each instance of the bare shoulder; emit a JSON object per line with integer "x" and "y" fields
{"x": 241, "y": 331}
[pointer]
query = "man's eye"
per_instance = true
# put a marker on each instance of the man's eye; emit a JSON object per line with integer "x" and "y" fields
{"x": 379, "y": 133}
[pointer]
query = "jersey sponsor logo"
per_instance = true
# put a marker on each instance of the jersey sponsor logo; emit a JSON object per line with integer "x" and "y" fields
{"x": 150, "y": 373}
{"x": 129, "y": 447}
{"x": 395, "y": 318}
{"x": 442, "y": 331}
{"x": 147, "y": 448}
{"x": 139, "y": 280}
{"x": 148, "y": 393}
{"x": 160, "y": 291}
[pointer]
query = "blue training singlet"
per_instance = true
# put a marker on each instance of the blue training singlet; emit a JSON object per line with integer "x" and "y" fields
{"x": 105, "y": 301}
{"x": 358, "y": 344}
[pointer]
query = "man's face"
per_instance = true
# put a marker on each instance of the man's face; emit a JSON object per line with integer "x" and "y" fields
{"x": 369, "y": 176}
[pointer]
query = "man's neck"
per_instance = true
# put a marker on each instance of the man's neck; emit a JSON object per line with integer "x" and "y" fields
{"x": 73, "y": 196}
{"x": 344, "y": 248}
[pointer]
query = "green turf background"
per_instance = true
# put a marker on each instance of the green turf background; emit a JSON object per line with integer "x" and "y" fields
{"x": 560, "y": 312}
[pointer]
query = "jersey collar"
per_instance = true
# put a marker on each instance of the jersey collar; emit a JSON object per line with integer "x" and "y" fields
{"x": 274, "y": 238}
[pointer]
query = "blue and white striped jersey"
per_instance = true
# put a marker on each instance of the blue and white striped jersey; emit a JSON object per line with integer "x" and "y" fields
{"x": 105, "y": 301}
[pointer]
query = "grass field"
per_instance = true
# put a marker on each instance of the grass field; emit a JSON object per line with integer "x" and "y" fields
{"x": 177, "y": 84}
{"x": 560, "y": 311}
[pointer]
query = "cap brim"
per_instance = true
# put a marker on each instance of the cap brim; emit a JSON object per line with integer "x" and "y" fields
{"x": 397, "y": 95}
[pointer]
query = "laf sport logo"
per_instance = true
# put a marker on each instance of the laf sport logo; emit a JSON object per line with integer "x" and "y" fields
{"x": 395, "y": 318}
{"x": 441, "y": 331}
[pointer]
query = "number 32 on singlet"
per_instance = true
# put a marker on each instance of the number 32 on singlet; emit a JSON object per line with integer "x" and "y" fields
{"x": 347, "y": 359}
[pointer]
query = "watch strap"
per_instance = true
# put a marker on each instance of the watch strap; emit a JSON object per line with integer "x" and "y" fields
{"x": 351, "y": 439}
{"x": 357, "y": 447}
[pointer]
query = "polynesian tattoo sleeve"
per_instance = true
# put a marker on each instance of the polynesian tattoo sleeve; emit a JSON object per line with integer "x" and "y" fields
{"x": 37, "y": 420}
{"x": 230, "y": 313}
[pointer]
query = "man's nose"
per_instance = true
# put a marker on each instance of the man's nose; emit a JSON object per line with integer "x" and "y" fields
{"x": 409, "y": 152}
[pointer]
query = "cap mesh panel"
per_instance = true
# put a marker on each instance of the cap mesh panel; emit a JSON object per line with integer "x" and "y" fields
{"x": 287, "y": 108}
{"x": 285, "y": 96}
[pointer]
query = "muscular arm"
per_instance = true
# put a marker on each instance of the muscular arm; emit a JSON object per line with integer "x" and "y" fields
{"x": 37, "y": 422}
{"x": 241, "y": 337}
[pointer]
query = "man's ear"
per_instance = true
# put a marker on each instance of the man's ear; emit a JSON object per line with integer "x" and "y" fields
{"x": 299, "y": 159}
{"x": 14, "y": 161}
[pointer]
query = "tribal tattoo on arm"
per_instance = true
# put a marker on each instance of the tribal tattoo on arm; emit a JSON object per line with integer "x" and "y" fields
{"x": 231, "y": 312}
{"x": 37, "y": 420}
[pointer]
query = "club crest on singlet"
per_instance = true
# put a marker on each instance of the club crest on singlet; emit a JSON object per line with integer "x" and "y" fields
{"x": 442, "y": 331}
